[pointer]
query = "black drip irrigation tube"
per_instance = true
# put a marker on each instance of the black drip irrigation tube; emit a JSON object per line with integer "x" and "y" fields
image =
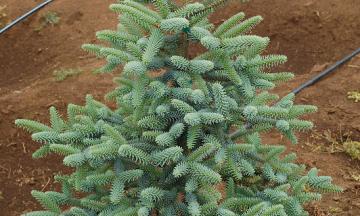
{"x": 326, "y": 72}
{"x": 21, "y": 18}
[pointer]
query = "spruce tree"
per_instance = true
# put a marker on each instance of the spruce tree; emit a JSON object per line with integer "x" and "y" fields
{"x": 185, "y": 136}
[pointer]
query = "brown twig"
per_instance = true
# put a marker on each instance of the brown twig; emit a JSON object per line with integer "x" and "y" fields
{"x": 47, "y": 183}
{"x": 354, "y": 66}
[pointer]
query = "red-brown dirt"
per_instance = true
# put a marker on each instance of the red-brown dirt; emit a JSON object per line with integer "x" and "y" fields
{"x": 312, "y": 33}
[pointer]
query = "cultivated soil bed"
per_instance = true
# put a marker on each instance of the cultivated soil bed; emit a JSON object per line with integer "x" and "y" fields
{"x": 312, "y": 33}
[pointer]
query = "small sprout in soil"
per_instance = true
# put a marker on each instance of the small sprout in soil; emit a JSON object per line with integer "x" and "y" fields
{"x": 353, "y": 149}
{"x": 354, "y": 95}
{"x": 355, "y": 176}
{"x": 333, "y": 209}
{"x": 50, "y": 18}
{"x": 3, "y": 17}
{"x": 62, "y": 74}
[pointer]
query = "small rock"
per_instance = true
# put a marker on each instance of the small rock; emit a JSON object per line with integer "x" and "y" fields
{"x": 304, "y": 100}
{"x": 5, "y": 111}
{"x": 336, "y": 199}
{"x": 331, "y": 110}
{"x": 53, "y": 103}
{"x": 319, "y": 68}
{"x": 309, "y": 4}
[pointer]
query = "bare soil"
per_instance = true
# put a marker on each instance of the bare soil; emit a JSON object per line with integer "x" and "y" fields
{"x": 312, "y": 33}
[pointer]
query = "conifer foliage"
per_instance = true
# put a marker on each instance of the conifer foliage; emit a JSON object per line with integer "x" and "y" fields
{"x": 183, "y": 127}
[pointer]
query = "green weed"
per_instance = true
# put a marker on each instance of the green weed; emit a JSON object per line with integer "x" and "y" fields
{"x": 353, "y": 149}
{"x": 62, "y": 74}
{"x": 354, "y": 95}
{"x": 50, "y": 18}
{"x": 3, "y": 17}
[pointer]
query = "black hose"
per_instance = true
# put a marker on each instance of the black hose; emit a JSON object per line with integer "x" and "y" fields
{"x": 326, "y": 72}
{"x": 19, "y": 19}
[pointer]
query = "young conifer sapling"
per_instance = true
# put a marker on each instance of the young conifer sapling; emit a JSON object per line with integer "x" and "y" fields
{"x": 183, "y": 127}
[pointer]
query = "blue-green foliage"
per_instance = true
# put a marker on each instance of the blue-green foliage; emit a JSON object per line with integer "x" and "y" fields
{"x": 182, "y": 126}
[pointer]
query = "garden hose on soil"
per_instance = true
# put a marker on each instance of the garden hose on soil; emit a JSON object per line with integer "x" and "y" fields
{"x": 19, "y": 19}
{"x": 326, "y": 72}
